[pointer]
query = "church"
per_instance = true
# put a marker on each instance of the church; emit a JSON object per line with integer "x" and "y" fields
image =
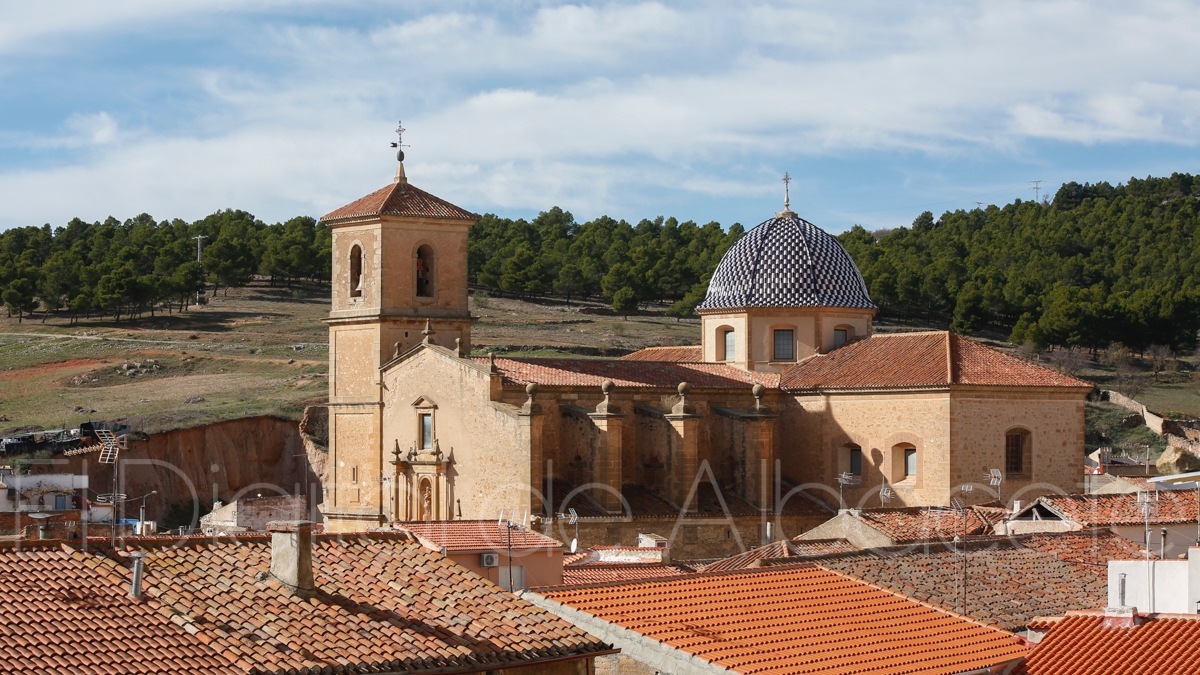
{"x": 790, "y": 408}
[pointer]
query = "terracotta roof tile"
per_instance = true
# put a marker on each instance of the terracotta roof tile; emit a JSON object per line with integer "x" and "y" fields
{"x": 685, "y": 354}
{"x": 384, "y": 603}
{"x": 1174, "y": 507}
{"x": 1007, "y": 585}
{"x": 477, "y": 535}
{"x": 793, "y": 620}
{"x": 63, "y": 606}
{"x": 593, "y": 372}
{"x": 1079, "y": 644}
{"x": 399, "y": 199}
{"x": 782, "y": 552}
{"x": 1089, "y": 550}
{"x": 922, "y": 523}
{"x": 600, "y": 572}
{"x": 932, "y": 359}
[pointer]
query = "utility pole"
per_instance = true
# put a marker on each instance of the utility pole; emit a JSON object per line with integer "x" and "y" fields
{"x": 1037, "y": 187}
{"x": 199, "y": 238}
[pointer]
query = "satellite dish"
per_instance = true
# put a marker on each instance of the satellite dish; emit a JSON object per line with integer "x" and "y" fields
{"x": 574, "y": 545}
{"x": 43, "y": 516}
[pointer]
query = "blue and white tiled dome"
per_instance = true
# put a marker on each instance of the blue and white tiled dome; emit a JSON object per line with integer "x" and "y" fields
{"x": 786, "y": 262}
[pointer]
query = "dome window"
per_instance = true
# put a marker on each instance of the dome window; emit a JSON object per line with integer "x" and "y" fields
{"x": 840, "y": 336}
{"x": 728, "y": 337}
{"x": 785, "y": 345}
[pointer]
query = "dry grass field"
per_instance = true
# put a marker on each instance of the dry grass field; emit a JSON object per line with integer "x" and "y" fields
{"x": 257, "y": 350}
{"x": 263, "y": 350}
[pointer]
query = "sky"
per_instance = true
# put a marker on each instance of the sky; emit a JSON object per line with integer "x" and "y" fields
{"x": 878, "y": 110}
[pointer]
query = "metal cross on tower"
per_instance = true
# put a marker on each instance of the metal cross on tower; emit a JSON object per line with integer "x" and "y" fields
{"x": 787, "y": 180}
{"x": 399, "y": 144}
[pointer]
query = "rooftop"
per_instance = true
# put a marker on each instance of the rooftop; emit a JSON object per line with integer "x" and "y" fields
{"x": 476, "y": 535}
{"x": 922, "y": 523}
{"x": 399, "y": 199}
{"x": 1079, "y": 644}
{"x": 919, "y": 360}
{"x": 564, "y": 372}
{"x": 602, "y": 572}
{"x": 1006, "y": 584}
{"x": 792, "y": 620}
{"x": 687, "y": 354}
{"x": 384, "y": 603}
{"x": 1174, "y": 506}
{"x": 782, "y": 552}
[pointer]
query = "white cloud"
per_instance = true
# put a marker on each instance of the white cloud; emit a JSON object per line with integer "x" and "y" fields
{"x": 597, "y": 105}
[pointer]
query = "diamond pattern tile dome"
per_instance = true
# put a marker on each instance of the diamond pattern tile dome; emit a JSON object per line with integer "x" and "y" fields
{"x": 786, "y": 262}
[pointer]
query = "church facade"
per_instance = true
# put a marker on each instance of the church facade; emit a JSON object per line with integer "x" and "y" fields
{"x": 790, "y": 407}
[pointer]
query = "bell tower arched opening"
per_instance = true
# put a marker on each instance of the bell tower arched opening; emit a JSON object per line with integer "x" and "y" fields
{"x": 424, "y": 268}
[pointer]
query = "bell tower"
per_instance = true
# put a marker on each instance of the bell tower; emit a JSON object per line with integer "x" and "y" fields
{"x": 399, "y": 268}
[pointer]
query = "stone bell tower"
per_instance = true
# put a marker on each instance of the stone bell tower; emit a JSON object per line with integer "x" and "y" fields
{"x": 399, "y": 275}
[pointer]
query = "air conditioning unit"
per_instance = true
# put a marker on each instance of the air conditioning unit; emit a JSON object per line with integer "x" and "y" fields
{"x": 489, "y": 559}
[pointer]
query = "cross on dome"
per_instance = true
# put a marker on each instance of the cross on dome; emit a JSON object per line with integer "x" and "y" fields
{"x": 787, "y": 180}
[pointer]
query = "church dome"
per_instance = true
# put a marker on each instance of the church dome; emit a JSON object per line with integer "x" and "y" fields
{"x": 786, "y": 262}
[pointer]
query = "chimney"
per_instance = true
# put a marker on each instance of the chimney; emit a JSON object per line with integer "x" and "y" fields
{"x": 1122, "y": 616}
{"x": 139, "y": 569}
{"x": 291, "y": 555}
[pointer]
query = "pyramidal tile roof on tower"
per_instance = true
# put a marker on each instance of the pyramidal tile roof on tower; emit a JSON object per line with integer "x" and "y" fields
{"x": 399, "y": 199}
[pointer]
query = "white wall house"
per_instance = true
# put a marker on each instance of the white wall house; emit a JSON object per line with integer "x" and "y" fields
{"x": 1162, "y": 586}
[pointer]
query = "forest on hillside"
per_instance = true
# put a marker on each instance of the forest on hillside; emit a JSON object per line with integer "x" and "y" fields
{"x": 1096, "y": 265}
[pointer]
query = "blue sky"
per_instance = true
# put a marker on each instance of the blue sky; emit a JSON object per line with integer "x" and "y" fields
{"x": 879, "y": 110}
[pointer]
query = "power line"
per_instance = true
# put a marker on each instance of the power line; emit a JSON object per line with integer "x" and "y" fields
{"x": 1037, "y": 187}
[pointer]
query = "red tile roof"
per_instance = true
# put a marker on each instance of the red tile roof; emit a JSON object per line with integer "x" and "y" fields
{"x": 399, "y": 199}
{"x": 782, "y": 551}
{"x": 921, "y": 523}
{"x": 62, "y": 611}
{"x": 1079, "y": 644}
{"x": 1007, "y": 585}
{"x": 1089, "y": 550}
{"x": 919, "y": 360}
{"x": 594, "y": 573}
{"x": 477, "y": 535}
{"x": 686, "y": 354}
{"x": 637, "y": 374}
{"x": 1174, "y": 507}
{"x": 793, "y": 620}
{"x": 384, "y": 603}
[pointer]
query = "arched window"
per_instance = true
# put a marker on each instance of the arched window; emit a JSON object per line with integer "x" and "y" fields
{"x": 356, "y": 271}
{"x": 905, "y": 462}
{"x": 1018, "y": 454}
{"x": 424, "y": 268}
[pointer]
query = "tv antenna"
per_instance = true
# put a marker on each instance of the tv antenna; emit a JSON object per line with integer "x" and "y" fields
{"x": 846, "y": 478}
{"x": 886, "y": 494}
{"x": 400, "y": 144}
{"x": 1037, "y": 187}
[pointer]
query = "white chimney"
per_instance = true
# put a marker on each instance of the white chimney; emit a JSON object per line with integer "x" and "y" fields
{"x": 291, "y": 555}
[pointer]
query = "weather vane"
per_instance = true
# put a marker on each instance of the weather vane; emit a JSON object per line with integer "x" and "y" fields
{"x": 787, "y": 199}
{"x": 399, "y": 144}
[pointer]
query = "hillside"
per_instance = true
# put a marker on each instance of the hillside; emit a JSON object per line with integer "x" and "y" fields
{"x": 257, "y": 350}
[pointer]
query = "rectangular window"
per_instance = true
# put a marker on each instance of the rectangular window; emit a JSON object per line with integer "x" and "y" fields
{"x": 784, "y": 346}
{"x": 1014, "y": 454}
{"x": 839, "y": 337}
{"x": 60, "y": 502}
{"x": 730, "y": 346}
{"x": 426, "y": 432}
{"x": 855, "y": 461}
{"x": 910, "y": 463}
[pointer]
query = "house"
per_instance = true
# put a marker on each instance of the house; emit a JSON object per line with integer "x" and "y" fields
{"x": 790, "y": 387}
{"x": 792, "y": 619}
{"x": 1102, "y": 642}
{"x": 287, "y": 601}
{"x": 1169, "y": 515}
{"x": 494, "y": 551}
{"x": 870, "y": 528}
{"x": 59, "y": 500}
{"x": 1163, "y": 586}
{"x": 1001, "y": 581}
{"x": 650, "y": 559}
{"x": 251, "y": 514}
